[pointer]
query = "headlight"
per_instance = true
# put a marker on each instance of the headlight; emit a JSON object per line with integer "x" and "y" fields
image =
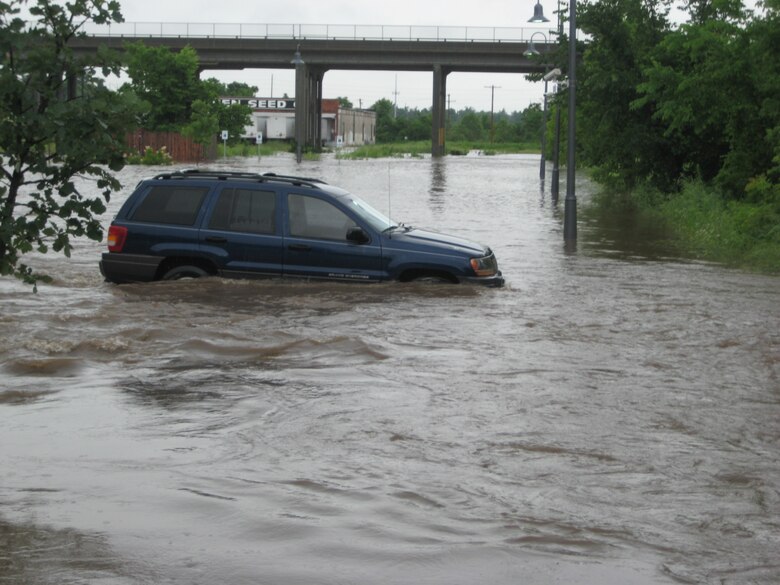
{"x": 485, "y": 266}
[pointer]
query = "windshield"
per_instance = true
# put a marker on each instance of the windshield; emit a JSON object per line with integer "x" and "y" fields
{"x": 378, "y": 220}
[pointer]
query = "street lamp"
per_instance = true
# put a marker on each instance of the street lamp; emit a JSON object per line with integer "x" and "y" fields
{"x": 570, "y": 203}
{"x": 549, "y": 76}
{"x": 530, "y": 52}
{"x": 538, "y": 13}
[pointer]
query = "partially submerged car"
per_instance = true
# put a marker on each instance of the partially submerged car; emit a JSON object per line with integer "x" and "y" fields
{"x": 195, "y": 223}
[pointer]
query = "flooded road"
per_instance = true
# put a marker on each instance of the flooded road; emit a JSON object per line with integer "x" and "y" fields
{"x": 611, "y": 416}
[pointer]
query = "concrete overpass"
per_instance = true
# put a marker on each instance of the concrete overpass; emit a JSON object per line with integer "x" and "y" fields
{"x": 440, "y": 50}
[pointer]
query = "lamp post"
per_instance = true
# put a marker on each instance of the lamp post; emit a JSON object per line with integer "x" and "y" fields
{"x": 300, "y": 88}
{"x": 531, "y": 51}
{"x": 570, "y": 203}
{"x": 550, "y": 76}
{"x": 556, "y": 170}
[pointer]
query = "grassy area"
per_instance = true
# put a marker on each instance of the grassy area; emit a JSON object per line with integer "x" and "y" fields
{"x": 393, "y": 150}
{"x": 248, "y": 149}
{"x": 423, "y": 147}
{"x": 736, "y": 233}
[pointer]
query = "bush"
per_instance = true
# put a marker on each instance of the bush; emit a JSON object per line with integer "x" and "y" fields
{"x": 702, "y": 222}
{"x": 150, "y": 156}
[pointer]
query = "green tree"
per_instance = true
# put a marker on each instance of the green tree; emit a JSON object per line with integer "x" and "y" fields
{"x": 167, "y": 80}
{"x": 469, "y": 127}
{"x": 386, "y": 125}
{"x": 239, "y": 89}
{"x": 617, "y": 135}
{"x": 345, "y": 103}
{"x": 204, "y": 123}
{"x": 529, "y": 124}
{"x": 725, "y": 137}
{"x": 233, "y": 117}
{"x": 58, "y": 122}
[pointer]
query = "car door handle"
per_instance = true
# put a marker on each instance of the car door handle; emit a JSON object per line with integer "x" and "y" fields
{"x": 216, "y": 240}
{"x": 299, "y": 247}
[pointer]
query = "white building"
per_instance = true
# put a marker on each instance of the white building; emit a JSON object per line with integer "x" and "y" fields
{"x": 274, "y": 119}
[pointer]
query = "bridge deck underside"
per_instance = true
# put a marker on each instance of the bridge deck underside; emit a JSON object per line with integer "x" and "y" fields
{"x": 319, "y": 55}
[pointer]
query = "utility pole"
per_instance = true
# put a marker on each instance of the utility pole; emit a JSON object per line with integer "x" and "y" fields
{"x": 449, "y": 107}
{"x": 493, "y": 89}
{"x": 395, "y": 98}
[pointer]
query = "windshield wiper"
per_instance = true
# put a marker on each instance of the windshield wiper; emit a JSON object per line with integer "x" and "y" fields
{"x": 390, "y": 228}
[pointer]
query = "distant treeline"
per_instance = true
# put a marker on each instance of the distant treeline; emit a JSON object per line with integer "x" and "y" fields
{"x": 402, "y": 124}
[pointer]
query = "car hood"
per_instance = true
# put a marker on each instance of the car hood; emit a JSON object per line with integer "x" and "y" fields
{"x": 435, "y": 241}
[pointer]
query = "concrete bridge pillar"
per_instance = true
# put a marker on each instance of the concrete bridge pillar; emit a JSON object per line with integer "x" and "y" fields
{"x": 439, "y": 110}
{"x": 308, "y": 108}
{"x": 313, "y": 137}
{"x": 301, "y": 112}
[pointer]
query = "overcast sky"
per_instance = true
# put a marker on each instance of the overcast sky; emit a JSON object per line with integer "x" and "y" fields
{"x": 511, "y": 91}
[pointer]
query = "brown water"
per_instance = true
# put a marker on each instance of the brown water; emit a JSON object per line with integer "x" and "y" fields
{"x": 611, "y": 416}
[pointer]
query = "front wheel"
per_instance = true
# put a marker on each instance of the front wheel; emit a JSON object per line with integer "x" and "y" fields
{"x": 184, "y": 272}
{"x": 433, "y": 279}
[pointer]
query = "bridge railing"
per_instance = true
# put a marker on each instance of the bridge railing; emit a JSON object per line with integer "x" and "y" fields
{"x": 319, "y": 31}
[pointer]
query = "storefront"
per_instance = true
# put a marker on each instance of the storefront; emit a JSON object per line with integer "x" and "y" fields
{"x": 274, "y": 119}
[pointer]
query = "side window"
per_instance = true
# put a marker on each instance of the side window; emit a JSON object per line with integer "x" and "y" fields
{"x": 245, "y": 210}
{"x": 314, "y": 218}
{"x": 171, "y": 204}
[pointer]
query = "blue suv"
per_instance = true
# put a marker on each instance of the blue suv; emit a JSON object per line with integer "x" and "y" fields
{"x": 194, "y": 223}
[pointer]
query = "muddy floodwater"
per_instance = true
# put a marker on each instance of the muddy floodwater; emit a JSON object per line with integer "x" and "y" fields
{"x": 610, "y": 416}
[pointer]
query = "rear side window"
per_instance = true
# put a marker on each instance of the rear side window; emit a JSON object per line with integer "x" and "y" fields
{"x": 171, "y": 204}
{"x": 245, "y": 210}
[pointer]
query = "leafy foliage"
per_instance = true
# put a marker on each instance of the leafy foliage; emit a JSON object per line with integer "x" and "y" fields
{"x": 237, "y": 89}
{"x": 464, "y": 125}
{"x": 177, "y": 100}
{"x": 658, "y": 104}
{"x": 691, "y": 114}
{"x": 165, "y": 79}
{"x": 151, "y": 157}
{"x": 58, "y": 122}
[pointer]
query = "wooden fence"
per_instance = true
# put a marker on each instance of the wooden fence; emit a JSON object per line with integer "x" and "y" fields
{"x": 181, "y": 148}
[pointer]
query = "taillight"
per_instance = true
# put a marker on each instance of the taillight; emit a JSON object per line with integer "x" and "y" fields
{"x": 117, "y": 235}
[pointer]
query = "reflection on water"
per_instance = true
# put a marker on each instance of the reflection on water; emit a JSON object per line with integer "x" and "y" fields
{"x": 41, "y": 555}
{"x": 438, "y": 189}
{"x": 610, "y": 416}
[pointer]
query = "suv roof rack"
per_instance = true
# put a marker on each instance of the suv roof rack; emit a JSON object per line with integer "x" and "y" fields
{"x": 291, "y": 177}
{"x": 226, "y": 175}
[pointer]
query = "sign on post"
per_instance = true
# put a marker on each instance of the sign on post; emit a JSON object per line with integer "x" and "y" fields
{"x": 224, "y": 142}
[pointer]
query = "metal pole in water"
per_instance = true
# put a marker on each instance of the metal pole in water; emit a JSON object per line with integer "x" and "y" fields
{"x": 570, "y": 203}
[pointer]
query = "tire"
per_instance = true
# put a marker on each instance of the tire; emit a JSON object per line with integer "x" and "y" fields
{"x": 185, "y": 271}
{"x": 432, "y": 279}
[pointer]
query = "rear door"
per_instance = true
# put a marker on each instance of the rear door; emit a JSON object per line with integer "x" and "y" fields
{"x": 316, "y": 243}
{"x": 164, "y": 220}
{"x": 242, "y": 231}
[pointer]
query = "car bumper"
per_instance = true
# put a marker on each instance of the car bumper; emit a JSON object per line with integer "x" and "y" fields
{"x": 119, "y": 268}
{"x": 495, "y": 281}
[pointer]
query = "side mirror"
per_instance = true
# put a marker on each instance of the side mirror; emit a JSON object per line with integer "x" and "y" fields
{"x": 357, "y": 235}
